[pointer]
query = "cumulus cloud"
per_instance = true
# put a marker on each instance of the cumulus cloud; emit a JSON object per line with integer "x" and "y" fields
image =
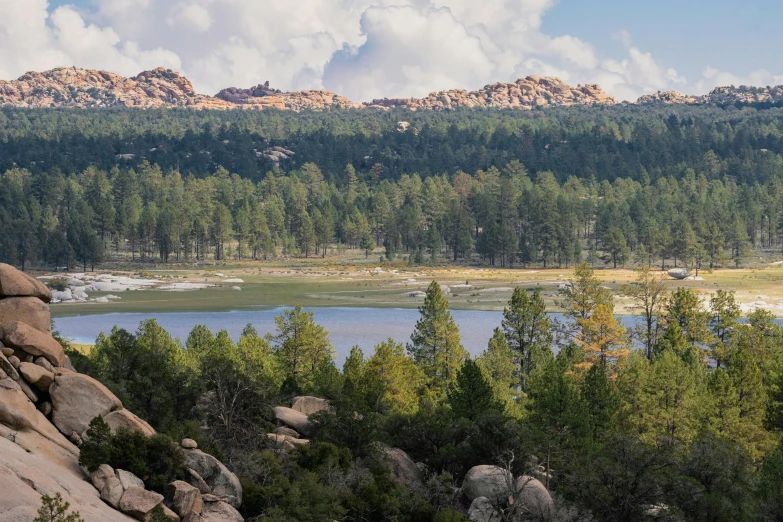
{"x": 363, "y": 49}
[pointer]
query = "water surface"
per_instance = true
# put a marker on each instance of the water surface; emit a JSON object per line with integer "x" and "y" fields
{"x": 347, "y": 327}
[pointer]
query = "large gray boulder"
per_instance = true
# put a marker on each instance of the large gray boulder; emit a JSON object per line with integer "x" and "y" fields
{"x": 77, "y": 399}
{"x": 138, "y": 502}
{"x": 183, "y": 498}
{"x": 309, "y": 405}
{"x": 492, "y": 482}
{"x": 128, "y": 479}
{"x": 37, "y": 376}
{"x": 15, "y": 283}
{"x": 125, "y": 420}
{"x": 294, "y": 419}
{"x": 532, "y": 494}
{"x": 18, "y": 413}
{"x": 29, "y": 310}
{"x": 32, "y": 342}
{"x": 220, "y": 480}
{"x": 679, "y": 273}
{"x": 403, "y": 469}
{"x": 112, "y": 491}
{"x": 482, "y": 510}
{"x": 101, "y": 475}
{"x": 220, "y": 512}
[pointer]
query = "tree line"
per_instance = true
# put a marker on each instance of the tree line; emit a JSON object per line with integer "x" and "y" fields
{"x": 504, "y": 216}
{"x": 677, "y": 419}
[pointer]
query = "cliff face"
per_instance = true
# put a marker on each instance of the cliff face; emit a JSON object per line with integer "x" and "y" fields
{"x": 525, "y": 93}
{"x": 84, "y": 88}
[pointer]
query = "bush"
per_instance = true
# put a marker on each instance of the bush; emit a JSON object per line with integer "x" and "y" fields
{"x": 54, "y": 510}
{"x": 157, "y": 460}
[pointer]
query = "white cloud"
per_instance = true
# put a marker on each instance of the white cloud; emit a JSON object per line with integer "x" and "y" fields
{"x": 359, "y": 48}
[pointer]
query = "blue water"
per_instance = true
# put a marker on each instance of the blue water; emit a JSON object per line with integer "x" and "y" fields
{"x": 347, "y": 327}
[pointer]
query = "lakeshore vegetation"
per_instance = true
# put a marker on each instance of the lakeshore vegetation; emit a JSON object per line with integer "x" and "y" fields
{"x": 679, "y": 419}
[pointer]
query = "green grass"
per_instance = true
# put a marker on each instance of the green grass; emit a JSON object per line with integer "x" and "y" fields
{"x": 313, "y": 285}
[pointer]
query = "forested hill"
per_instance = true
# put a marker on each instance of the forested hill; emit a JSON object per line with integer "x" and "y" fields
{"x": 602, "y": 143}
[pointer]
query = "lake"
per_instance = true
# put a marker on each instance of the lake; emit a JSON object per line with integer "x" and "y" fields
{"x": 347, "y": 327}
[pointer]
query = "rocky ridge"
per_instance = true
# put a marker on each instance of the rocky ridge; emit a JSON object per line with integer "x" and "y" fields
{"x": 721, "y": 96}
{"x": 45, "y": 408}
{"x": 525, "y": 94}
{"x": 84, "y": 88}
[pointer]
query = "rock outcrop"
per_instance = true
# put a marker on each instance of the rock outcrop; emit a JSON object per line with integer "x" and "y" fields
{"x": 525, "y": 94}
{"x": 491, "y": 488}
{"x": 83, "y": 88}
{"x": 309, "y": 405}
{"x": 294, "y": 419}
{"x": 45, "y": 407}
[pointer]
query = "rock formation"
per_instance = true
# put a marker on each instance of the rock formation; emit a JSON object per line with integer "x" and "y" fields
{"x": 45, "y": 406}
{"x": 526, "y": 94}
{"x": 490, "y": 488}
{"x": 720, "y": 96}
{"x": 82, "y": 88}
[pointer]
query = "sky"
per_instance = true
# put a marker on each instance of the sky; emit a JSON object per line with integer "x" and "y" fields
{"x": 366, "y": 49}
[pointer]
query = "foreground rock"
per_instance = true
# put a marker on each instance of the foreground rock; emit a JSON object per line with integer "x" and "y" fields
{"x": 32, "y": 466}
{"x": 15, "y": 283}
{"x": 491, "y": 482}
{"x": 183, "y": 498}
{"x": 222, "y": 483}
{"x": 32, "y": 342}
{"x": 294, "y": 419}
{"x": 125, "y": 420}
{"x": 220, "y": 512}
{"x": 138, "y": 502}
{"x": 29, "y": 310}
{"x": 77, "y": 400}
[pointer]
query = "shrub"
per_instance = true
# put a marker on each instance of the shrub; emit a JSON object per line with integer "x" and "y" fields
{"x": 157, "y": 460}
{"x": 54, "y": 510}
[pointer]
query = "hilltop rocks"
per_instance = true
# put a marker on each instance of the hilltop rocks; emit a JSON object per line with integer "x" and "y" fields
{"x": 77, "y": 399}
{"x": 263, "y": 97}
{"x": 668, "y": 97}
{"x": 82, "y": 88}
{"x": 15, "y": 283}
{"x": 29, "y": 310}
{"x": 525, "y": 94}
{"x": 492, "y": 482}
{"x": 32, "y": 342}
{"x": 222, "y": 483}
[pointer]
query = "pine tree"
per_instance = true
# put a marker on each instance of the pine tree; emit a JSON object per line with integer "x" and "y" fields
{"x": 602, "y": 338}
{"x": 435, "y": 343}
{"x": 55, "y": 509}
{"x": 501, "y": 369}
{"x": 528, "y": 329}
{"x": 301, "y": 345}
{"x": 471, "y": 394}
{"x": 650, "y": 296}
{"x": 601, "y": 400}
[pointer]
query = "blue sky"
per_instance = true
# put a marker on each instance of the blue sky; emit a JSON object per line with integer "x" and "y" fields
{"x": 366, "y": 49}
{"x": 687, "y": 34}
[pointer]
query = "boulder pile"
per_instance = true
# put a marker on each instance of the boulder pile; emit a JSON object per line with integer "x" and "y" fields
{"x": 45, "y": 409}
{"x": 489, "y": 489}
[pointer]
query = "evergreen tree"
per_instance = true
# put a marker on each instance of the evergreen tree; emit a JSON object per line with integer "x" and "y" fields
{"x": 471, "y": 395}
{"x": 435, "y": 343}
{"x": 528, "y": 330}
